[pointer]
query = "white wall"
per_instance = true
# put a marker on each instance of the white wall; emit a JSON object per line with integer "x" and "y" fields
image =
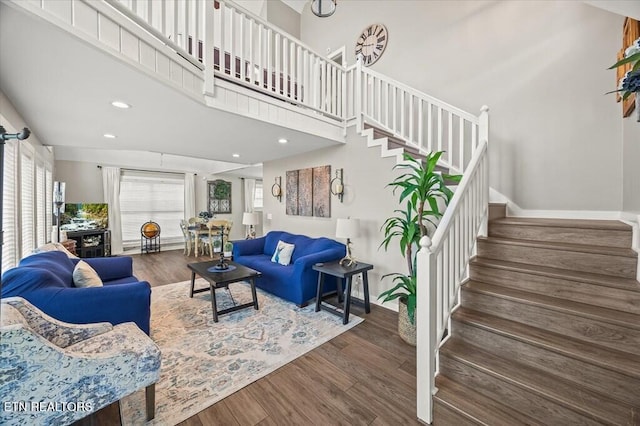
{"x": 556, "y": 139}
{"x": 83, "y": 181}
{"x": 282, "y": 16}
{"x": 366, "y": 175}
{"x": 631, "y": 164}
{"x": 13, "y": 122}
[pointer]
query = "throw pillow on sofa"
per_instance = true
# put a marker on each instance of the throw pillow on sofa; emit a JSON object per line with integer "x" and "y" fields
{"x": 85, "y": 276}
{"x": 283, "y": 253}
{"x": 55, "y": 247}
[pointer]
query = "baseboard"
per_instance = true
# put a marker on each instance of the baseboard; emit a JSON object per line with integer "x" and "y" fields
{"x": 631, "y": 219}
{"x": 514, "y": 210}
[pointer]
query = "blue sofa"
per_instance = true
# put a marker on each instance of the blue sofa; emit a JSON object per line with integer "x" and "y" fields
{"x": 46, "y": 280}
{"x": 296, "y": 282}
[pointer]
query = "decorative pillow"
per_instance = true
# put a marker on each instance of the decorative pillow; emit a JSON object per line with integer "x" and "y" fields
{"x": 283, "y": 253}
{"x": 85, "y": 276}
{"x": 55, "y": 247}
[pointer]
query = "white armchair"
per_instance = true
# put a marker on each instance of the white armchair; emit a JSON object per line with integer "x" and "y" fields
{"x": 53, "y": 372}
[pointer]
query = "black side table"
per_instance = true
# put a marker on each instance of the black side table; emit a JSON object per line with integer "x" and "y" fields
{"x": 342, "y": 273}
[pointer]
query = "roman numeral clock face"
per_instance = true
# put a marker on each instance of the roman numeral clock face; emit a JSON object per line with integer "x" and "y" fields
{"x": 371, "y": 43}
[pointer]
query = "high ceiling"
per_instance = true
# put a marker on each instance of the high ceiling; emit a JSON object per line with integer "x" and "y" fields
{"x": 63, "y": 88}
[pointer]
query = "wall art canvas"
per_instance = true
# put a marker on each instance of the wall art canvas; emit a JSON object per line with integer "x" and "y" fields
{"x": 292, "y": 192}
{"x": 305, "y": 192}
{"x": 322, "y": 191}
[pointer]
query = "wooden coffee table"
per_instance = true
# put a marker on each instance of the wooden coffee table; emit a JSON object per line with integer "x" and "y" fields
{"x": 221, "y": 279}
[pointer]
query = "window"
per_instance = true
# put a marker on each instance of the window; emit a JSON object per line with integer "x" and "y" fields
{"x": 10, "y": 206}
{"x": 48, "y": 182}
{"x": 151, "y": 196}
{"x": 41, "y": 216}
{"x": 257, "y": 196}
{"x": 26, "y": 203}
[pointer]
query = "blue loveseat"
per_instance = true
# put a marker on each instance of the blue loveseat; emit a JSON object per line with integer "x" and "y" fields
{"x": 46, "y": 280}
{"x": 296, "y": 282}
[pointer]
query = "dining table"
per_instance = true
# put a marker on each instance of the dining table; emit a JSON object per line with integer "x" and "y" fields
{"x": 199, "y": 229}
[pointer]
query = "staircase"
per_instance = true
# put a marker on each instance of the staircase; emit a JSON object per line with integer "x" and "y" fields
{"x": 548, "y": 331}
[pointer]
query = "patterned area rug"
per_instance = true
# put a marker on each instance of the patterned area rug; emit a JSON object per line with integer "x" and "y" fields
{"x": 204, "y": 362}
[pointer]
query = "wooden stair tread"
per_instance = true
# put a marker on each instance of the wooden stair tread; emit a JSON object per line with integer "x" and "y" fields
{"x": 479, "y": 408}
{"x": 620, "y": 318}
{"x": 565, "y": 223}
{"x": 570, "y": 395}
{"x": 598, "y": 279}
{"x": 610, "y": 251}
{"x": 621, "y": 362}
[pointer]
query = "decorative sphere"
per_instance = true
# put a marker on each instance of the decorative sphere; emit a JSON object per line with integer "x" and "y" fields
{"x": 150, "y": 230}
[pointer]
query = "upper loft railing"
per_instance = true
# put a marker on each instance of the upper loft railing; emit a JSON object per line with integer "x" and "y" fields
{"x": 243, "y": 48}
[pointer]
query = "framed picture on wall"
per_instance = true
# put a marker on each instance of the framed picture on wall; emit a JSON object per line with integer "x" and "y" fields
{"x": 219, "y": 196}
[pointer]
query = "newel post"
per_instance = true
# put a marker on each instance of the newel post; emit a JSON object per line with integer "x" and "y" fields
{"x": 426, "y": 345}
{"x": 208, "y": 45}
{"x": 483, "y": 124}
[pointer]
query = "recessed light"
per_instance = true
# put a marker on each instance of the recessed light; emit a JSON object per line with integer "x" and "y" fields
{"x": 235, "y": 155}
{"x": 109, "y": 136}
{"x": 120, "y": 104}
{"x": 282, "y": 140}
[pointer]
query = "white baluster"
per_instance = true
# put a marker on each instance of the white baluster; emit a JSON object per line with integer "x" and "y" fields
{"x": 420, "y": 124}
{"x": 242, "y": 71}
{"x": 208, "y": 47}
{"x": 461, "y": 142}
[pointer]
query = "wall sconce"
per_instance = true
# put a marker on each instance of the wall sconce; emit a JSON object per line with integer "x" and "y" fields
{"x": 276, "y": 189}
{"x": 337, "y": 185}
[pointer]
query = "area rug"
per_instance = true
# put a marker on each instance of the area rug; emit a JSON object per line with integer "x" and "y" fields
{"x": 204, "y": 362}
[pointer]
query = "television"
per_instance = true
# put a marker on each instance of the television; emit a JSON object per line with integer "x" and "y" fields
{"x": 84, "y": 217}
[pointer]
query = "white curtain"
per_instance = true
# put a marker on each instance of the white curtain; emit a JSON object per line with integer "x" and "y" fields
{"x": 111, "y": 187}
{"x": 249, "y": 195}
{"x": 189, "y": 195}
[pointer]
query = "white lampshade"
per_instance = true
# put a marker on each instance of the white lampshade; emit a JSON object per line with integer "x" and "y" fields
{"x": 250, "y": 218}
{"x": 347, "y": 228}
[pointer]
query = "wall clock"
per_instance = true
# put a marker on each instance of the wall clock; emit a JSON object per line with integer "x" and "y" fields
{"x": 371, "y": 43}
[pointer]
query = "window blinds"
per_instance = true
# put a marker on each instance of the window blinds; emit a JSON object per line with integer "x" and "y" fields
{"x": 26, "y": 204}
{"x": 151, "y": 196}
{"x": 41, "y": 216}
{"x": 10, "y": 207}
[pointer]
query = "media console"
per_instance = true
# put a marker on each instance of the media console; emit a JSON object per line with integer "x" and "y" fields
{"x": 92, "y": 243}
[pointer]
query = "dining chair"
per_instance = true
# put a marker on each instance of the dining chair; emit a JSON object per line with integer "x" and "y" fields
{"x": 189, "y": 241}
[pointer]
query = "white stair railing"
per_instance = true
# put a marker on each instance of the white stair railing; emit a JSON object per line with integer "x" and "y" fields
{"x": 442, "y": 264}
{"x": 241, "y": 47}
{"x": 175, "y": 22}
{"x": 260, "y": 55}
{"x": 422, "y": 121}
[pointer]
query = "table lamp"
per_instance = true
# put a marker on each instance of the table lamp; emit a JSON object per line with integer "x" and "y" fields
{"x": 348, "y": 228}
{"x": 250, "y": 219}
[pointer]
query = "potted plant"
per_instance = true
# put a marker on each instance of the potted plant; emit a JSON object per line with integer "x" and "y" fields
{"x": 216, "y": 245}
{"x": 426, "y": 193}
{"x": 228, "y": 249}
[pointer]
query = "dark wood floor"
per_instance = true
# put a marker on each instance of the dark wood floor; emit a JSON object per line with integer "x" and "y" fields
{"x": 365, "y": 376}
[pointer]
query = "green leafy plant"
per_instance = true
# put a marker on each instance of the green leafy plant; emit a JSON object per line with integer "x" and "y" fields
{"x": 630, "y": 82}
{"x": 425, "y": 190}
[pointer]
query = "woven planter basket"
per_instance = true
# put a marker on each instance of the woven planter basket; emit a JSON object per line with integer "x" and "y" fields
{"x": 406, "y": 330}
